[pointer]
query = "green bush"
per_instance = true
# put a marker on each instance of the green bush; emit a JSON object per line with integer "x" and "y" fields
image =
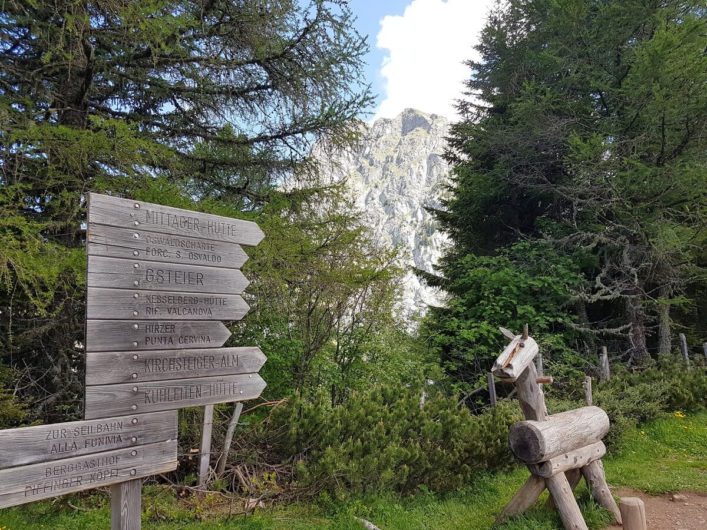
{"x": 633, "y": 398}
{"x": 383, "y": 439}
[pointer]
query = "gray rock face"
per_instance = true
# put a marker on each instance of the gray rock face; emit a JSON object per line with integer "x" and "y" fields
{"x": 393, "y": 174}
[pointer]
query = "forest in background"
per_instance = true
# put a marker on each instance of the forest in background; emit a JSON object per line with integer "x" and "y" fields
{"x": 578, "y": 206}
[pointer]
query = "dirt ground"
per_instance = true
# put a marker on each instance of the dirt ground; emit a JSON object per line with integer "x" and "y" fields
{"x": 683, "y": 511}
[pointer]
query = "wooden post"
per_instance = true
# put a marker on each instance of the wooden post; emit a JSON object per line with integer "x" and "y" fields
{"x": 587, "y": 384}
{"x": 683, "y": 349}
{"x": 704, "y": 348}
{"x": 566, "y": 504}
{"x": 539, "y": 364}
{"x": 526, "y": 496}
{"x": 530, "y": 395}
{"x": 232, "y": 424}
{"x": 492, "y": 389}
{"x": 633, "y": 513}
{"x": 599, "y": 489}
{"x": 125, "y": 505}
{"x": 604, "y": 369}
{"x": 205, "y": 453}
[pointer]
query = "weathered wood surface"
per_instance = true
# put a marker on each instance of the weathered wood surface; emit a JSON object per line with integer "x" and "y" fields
{"x": 530, "y": 395}
{"x": 106, "y": 368}
{"x": 113, "y": 242}
{"x": 205, "y": 452}
{"x": 604, "y": 367}
{"x": 536, "y": 441}
{"x": 524, "y": 498}
{"x": 492, "y": 389}
{"x": 34, "y": 482}
{"x": 232, "y": 424}
{"x": 633, "y": 513}
{"x": 126, "y": 505}
{"x": 596, "y": 482}
{"x": 150, "y": 275}
{"x": 123, "y": 335}
{"x": 572, "y": 460}
{"x": 129, "y": 304}
{"x": 126, "y": 213}
{"x": 587, "y": 385}
{"x": 110, "y": 400}
{"x": 566, "y": 504}
{"x": 46, "y": 443}
{"x": 574, "y": 476}
{"x": 515, "y": 358}
{"x": 684, "y": 349}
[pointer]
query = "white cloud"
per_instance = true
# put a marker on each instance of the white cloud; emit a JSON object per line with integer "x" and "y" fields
{"x": 426, "y": 47}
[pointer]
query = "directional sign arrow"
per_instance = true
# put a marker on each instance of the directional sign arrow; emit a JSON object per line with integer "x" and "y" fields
{"x": 49, "y": 442}
{"x": 105, "y": 368}
{"x": 108, "y": 400}
{"x": 34, "y": 482}
{"x": 139, "y": 274}
{"x": 125, "y": 213}
{"x": 104, "y": 303}
{"x": 123, "y": 335}
{"x": 113, "y": 242}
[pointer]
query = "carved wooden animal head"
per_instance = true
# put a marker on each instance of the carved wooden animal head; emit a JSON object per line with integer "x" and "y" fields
{"x": 515, "y": 358}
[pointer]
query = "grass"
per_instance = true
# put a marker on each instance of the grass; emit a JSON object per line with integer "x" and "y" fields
{"x": 666, "y": 455}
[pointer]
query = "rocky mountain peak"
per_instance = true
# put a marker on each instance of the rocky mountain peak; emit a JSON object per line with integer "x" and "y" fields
{"x": 394, "y": 173}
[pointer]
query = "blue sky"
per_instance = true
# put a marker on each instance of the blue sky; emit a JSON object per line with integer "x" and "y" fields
{"x": 369, "y": 14}
{"x": 417, "y": 49}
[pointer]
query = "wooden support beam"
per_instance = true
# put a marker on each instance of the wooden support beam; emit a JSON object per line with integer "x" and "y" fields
{"x": 492, "y": 389}
{"x": 126, "y": 505}
{"x": 684, "y": 349}
{"x": 604, "y": 368}
{"x": 566, "y": 504}
{"x": 587, "y": 384}
{"x": 573, "y": 478}
{"x": 599, "y": 489}
{"x": 232, "y": 424}
{"x": 633, "y": 513}
{"x": 530, "y": 395}
{"x": 205, "y": 453}
{"x": 539, "y": 364}
{"x": 575, "y": 459}
{"x": 526, "y": 496}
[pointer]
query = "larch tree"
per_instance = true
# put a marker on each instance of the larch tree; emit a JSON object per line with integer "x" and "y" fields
{"x": 220, "y": 99}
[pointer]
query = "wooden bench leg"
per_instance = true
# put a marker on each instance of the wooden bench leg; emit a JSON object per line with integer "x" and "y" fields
{"x": 573, "y": 477}
{"x": 527, "y": 496}
{"x": 565, "y": 502}
{"x": 599, "y": 489}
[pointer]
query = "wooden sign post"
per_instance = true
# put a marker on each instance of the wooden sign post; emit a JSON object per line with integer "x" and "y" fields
{"x": 160, "y": 280}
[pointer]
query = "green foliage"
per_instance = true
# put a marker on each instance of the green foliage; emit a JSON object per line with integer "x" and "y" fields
{"x": 523, "y": 284}
{"x": 583, "y": 139}
{"x": 207, "y": 106}
{"x": 12, "y": 411}
{"x": 384, "y": 440}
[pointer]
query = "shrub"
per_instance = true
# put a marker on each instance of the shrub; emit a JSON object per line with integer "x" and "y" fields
{"x": 384, "y": 439}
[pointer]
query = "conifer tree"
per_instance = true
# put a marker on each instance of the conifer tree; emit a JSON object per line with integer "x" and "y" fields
{"x": 220, "y": 98}
{"x": 582, "y": 138}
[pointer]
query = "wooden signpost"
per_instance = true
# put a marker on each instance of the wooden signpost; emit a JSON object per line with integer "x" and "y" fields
{"x": 160, "y": 280}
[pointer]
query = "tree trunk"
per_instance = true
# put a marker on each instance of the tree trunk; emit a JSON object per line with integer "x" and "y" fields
{"x": 637, "y": 333}
{"x": 664, "y": 345}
